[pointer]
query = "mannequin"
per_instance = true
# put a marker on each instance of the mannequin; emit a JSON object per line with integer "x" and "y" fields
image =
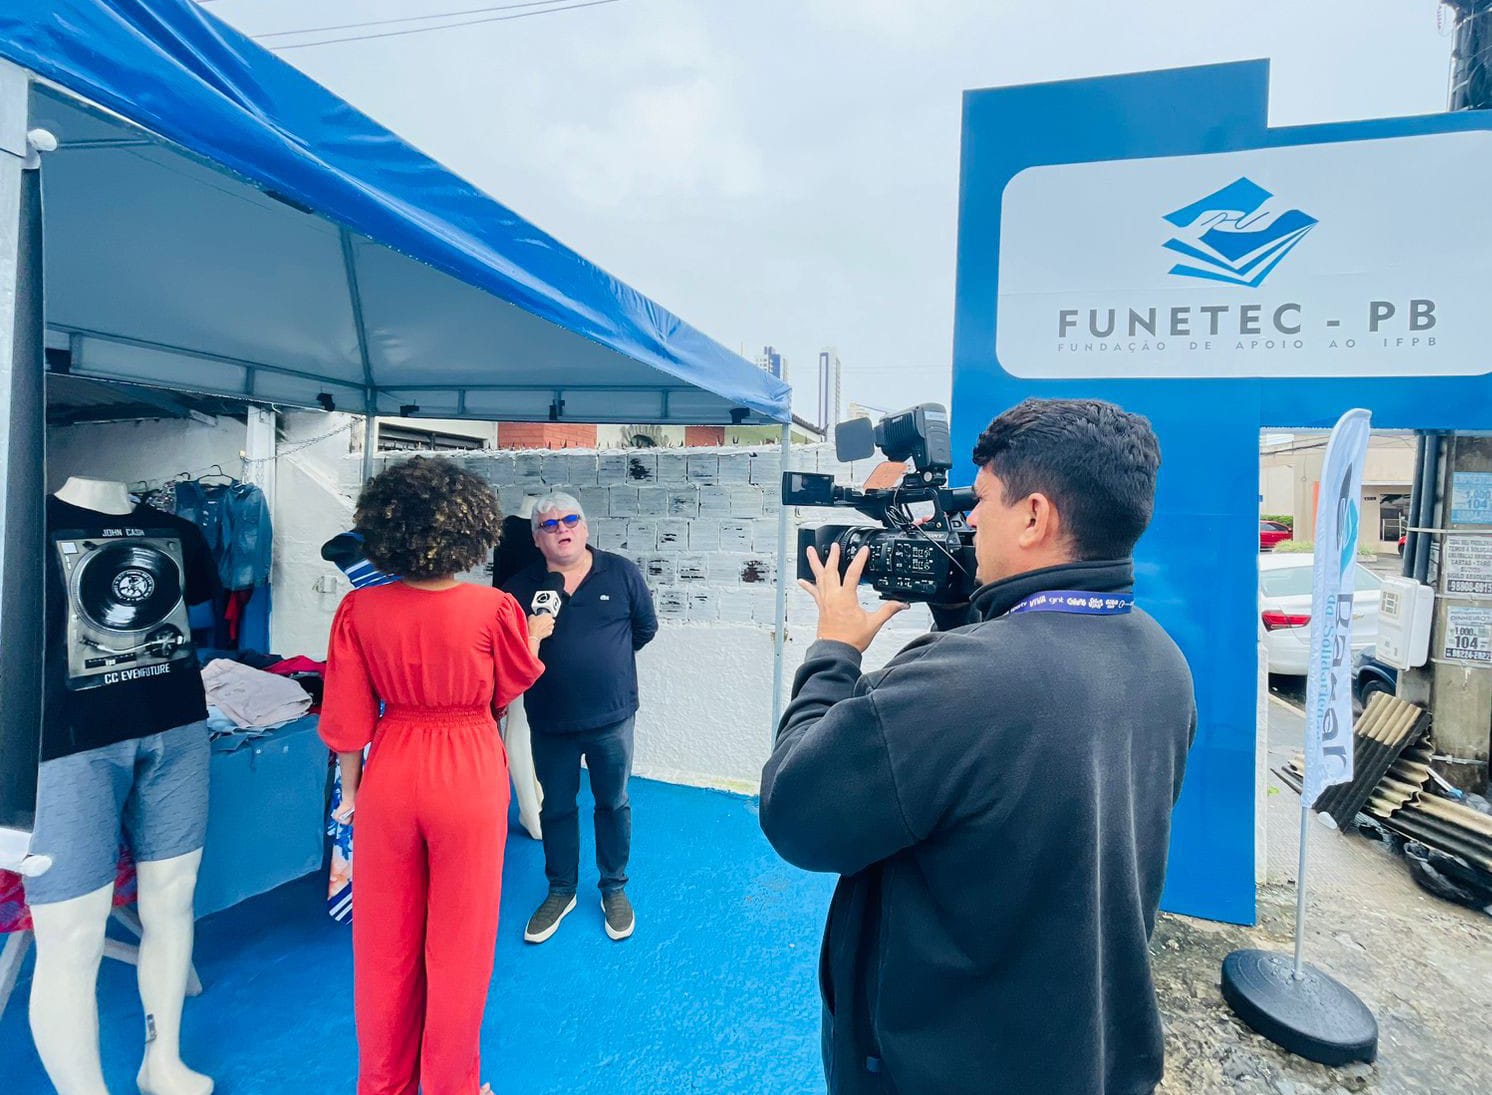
{"x": 526, "y": 787}
{"x": 64, "y": 990}
{"x": 70, "y": 932}
{"x": 99, "y": 495}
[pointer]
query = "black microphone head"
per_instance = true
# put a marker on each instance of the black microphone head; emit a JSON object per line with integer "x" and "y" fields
{"x": 553, "y": 580}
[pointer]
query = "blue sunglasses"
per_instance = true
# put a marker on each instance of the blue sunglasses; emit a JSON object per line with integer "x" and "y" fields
{"x": 569, "y": 520}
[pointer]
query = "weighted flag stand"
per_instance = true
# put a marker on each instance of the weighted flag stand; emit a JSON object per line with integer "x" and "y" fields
{"x": 1292, "y": 1003}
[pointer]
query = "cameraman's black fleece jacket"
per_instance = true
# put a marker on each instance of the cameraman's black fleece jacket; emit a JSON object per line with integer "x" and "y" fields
{"x": 998, "y": 801}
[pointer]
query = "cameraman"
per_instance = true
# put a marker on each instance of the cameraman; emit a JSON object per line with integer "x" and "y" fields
{"x": 998, "y": 798}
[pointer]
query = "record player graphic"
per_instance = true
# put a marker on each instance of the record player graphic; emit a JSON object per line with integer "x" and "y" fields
{"x": 126, "y": 613}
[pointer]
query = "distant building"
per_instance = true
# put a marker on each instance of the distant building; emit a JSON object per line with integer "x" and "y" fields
{"x": 645, "y": 435}
{"x": 831, "y": 385}
{"x": 1290, "y": 483}
{"x": 554, "y": 435}
{"x": 574, "y": 435}
{"x": 546, "y": 435}
{"x": 772, "y": 361}
{"x": 434, "y": 435}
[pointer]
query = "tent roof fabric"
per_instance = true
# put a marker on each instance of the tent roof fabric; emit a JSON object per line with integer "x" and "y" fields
{"x": 218, "y": 221}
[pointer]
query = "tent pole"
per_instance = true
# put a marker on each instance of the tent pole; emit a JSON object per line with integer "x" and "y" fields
{"x": 259, "y": 451}
{"x": 370, "y": 436}
{"x": 779, "y": 632}
{"x": 370, "y": 394}
{"x": 22, "y": 469}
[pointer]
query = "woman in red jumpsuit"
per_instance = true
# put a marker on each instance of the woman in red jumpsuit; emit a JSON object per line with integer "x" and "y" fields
{"x": 441, "y": 658}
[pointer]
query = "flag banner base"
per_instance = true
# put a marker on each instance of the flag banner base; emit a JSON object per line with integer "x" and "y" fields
{"x": 1313, "y": 1016}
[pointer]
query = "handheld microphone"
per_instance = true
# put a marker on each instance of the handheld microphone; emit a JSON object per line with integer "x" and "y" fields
{"x": 550, "y": 597}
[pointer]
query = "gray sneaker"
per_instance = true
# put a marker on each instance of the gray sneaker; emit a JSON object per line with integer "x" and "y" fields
{"x": 619, "y": 918}
{"x": 547, "y": 917}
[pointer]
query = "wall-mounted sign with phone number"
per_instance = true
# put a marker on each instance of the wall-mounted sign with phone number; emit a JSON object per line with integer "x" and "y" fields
{"x": 1468, "y": 635}
{"x": 1471, "y": 498}
{"x": 1468, "y": 565}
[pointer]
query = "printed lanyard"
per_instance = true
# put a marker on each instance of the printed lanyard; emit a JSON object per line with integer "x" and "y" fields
{"x": 1078, "y": 602}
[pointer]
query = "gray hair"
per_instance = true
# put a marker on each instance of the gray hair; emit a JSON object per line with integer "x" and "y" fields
{"x": 554, "y": 502}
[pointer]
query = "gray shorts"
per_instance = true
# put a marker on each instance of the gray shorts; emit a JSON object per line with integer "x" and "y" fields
{"x": 154, "y": 787}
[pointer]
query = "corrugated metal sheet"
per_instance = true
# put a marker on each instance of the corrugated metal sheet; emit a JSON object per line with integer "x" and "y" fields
{"x": 73, "y": 400}
{"x": 1387, "y": 727}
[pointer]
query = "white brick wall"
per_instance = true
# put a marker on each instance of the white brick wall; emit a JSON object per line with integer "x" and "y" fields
{"x": 701, "y": 523}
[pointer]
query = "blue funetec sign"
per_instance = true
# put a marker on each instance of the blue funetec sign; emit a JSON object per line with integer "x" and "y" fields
{"x": 1150, "y": 240}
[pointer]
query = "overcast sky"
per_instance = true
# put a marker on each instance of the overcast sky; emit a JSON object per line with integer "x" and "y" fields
{"x": 786, "y": 171}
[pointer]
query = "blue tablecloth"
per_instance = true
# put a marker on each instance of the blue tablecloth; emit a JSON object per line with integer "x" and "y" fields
{"x": 265, "y": 822}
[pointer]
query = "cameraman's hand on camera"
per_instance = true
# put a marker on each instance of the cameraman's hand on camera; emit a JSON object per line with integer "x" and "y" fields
{"x": 841, "y": 618}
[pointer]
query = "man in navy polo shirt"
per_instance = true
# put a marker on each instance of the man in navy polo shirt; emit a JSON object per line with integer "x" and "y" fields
{"x": 583, "y": 706}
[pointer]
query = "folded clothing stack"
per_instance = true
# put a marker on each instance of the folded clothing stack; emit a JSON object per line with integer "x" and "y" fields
{"x": 306, "y": 672}
{"x": 227, "y": 736}
{"x": 251, "y": 697}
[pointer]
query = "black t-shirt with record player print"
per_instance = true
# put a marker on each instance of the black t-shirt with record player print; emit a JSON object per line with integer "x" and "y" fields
{"x": 119, "y": 659}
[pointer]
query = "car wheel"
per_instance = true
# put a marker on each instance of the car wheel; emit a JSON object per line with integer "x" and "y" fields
{"x": 1370, "y": 688}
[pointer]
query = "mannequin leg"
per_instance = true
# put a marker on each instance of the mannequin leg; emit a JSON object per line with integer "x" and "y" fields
{"x": 521, "y": 767}
{"x": 64, "y": 990}
{"x": 78, "y": 801}
{"x": 166, "y": 889}
{"x": 166, "y": 819}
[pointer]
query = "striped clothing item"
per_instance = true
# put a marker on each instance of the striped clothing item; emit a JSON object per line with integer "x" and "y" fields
{"x": 346, "y": 550}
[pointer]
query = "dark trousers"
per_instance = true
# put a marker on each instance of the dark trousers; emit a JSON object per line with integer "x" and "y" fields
{"x": 608, "y": 757}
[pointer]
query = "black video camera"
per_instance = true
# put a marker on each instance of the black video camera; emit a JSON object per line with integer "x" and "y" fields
{"x": 932, "y": 561}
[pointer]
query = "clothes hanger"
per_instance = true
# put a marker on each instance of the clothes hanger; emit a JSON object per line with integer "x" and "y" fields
{"x": 218, "y": 474}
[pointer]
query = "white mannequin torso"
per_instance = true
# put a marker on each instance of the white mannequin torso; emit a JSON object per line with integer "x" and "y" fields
{"x": 98, "y": 495}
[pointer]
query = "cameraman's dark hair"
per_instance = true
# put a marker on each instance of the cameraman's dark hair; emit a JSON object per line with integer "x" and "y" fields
{"x": 426, "y": 518}
{"x": 1094, "y": 460}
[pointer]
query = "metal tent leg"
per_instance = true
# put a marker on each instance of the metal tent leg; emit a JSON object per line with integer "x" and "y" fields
{"x": 779, "y": 634}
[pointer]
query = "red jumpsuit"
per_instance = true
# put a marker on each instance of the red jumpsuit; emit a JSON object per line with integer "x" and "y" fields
{"x": 431, "y": 821}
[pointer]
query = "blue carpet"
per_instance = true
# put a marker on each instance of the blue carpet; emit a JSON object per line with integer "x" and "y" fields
{"x": 715, "y": 993}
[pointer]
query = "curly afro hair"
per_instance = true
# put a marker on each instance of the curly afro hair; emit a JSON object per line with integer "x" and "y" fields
{"x": 427, "y": 518}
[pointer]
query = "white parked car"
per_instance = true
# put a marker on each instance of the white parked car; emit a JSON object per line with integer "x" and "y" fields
{"x": 1285, "y": 610}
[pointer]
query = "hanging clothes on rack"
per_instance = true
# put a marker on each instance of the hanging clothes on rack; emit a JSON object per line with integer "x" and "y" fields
{"x": 201, "y": 503}
{"x": 235, "y": 519}
{"x": 247, "y": 536}
{"x": 162, "y": 497}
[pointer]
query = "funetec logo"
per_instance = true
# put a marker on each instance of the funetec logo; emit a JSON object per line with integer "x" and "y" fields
{"x": 1234, "y": 236}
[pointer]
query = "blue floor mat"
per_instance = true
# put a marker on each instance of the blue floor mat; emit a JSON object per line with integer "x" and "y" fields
{"x": 715, "y": 993}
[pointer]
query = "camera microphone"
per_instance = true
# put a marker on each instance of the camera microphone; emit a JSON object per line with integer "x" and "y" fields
{"x": 550, "y": 597}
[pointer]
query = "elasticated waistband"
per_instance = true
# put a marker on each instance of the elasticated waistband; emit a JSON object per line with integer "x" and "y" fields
{"x": 437, "y": 716}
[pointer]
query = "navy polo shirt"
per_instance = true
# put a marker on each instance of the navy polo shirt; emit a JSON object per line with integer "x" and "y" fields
{"x": 590, "y": 664}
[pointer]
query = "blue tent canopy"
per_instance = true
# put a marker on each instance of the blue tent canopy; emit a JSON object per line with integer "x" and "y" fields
{"x": 218, "y": 222}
